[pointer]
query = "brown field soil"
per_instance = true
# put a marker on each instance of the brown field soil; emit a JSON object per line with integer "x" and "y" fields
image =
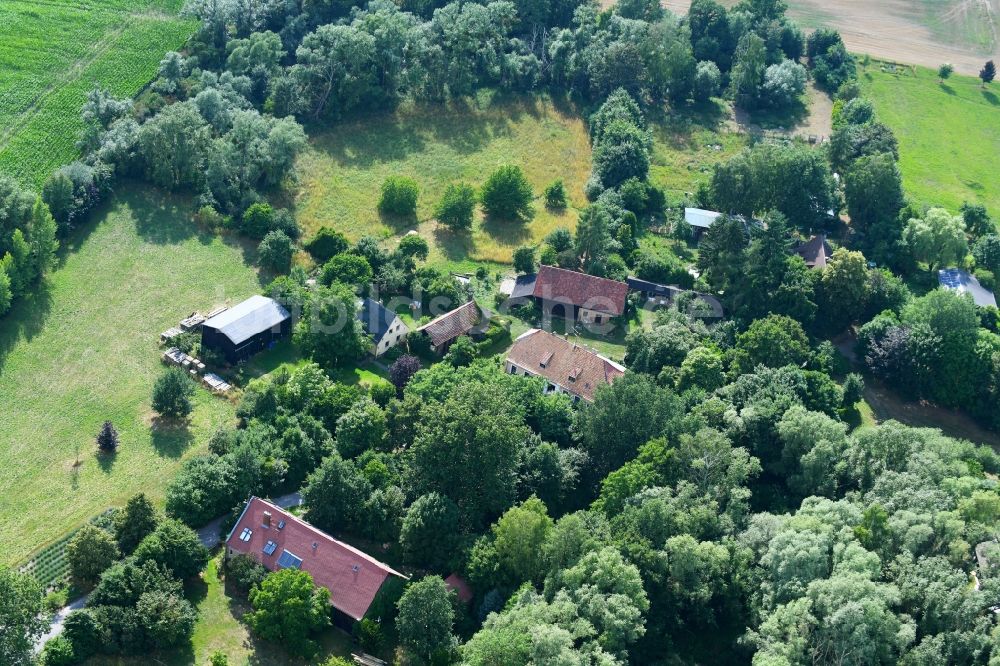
{"x": 919, "y": 32}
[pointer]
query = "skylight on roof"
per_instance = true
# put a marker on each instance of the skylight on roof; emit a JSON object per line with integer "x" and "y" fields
{"x": 245, "y": 534}
{"x": 269, "y": 548}
{"x": 281, "y": 524}
{"x": 289, "y": 561}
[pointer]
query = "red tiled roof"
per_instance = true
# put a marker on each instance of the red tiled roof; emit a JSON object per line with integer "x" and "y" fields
{"x": 462, "y": 589}
{"x": 582, "y": 290}
{"x": 563, "y": 359}
{"x": 452, "y": 324}
{"x": 352, "y": 577}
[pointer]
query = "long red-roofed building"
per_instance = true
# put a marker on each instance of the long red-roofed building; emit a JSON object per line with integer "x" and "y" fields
{"x": 279, "y": 540}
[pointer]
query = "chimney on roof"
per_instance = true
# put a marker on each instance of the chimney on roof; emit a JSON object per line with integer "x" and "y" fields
{"x": 267, "y": 519}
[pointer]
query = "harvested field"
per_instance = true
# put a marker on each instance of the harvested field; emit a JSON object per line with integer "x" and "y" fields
{"x": 921, "y": 32}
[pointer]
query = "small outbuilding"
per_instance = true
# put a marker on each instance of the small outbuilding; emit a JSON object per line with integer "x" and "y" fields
{"x": 468, "y": 319}
{"x": 241, "y": 331}
{"x": 964, "y": 283}
{"x": 815, "y": 252}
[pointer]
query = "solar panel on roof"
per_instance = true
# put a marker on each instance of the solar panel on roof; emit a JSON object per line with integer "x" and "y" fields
{"x": 289, "y": 561}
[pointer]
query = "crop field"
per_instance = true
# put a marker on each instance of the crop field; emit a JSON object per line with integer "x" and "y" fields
{"x": 52, "y": 55}
{"x": 84, "y": 349}
{"x": 949, "y": 134}
{"x": 919, "y": 32}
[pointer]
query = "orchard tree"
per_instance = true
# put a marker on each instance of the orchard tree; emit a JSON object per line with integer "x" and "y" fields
{"x": 326, "y": 244}
{"x": 351, "y": 270}
{"x": 524, "y": 259}
{"x": 944, "y": 71}
{"x": 107, "y": 439}
{"x": 426, "y": 618}
{"x": 457, "y": 205}
{"x": 413, "y": 246}
{"x": 172, "y": 393}
{"x": 506, "y": 194}
{"x": 399, "y": 196}
{"x": 288, "y": 609}
{"x": 89, "y": 553}
{"x": 555, "y": 195}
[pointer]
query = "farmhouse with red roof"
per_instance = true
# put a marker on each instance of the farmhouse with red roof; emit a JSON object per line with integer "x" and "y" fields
{"x": 279, "y": 540}
{"x": 566, "y": 367}
{"x": 573, "y": 295}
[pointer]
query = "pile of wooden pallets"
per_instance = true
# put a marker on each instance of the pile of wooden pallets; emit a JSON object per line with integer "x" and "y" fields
{"x": 170, "y": 334}
{"x": 175, "y": 356}
{"x": 367, "y": 660}
{"x": 194, "y": 321}
{"x": 215, "y": 382}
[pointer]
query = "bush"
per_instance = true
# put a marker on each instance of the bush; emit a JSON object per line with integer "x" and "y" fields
{"x": 257, "y": 220}
{"x": 243, "y": 572}
{"x": 507, "y": 194}
{"x": 369, "y": 635}
{"x": 174, "y": 546}
{"x": 986, "y": 278}
{"x": 457, "y": 206}
{"x": 349, "y": 269}
{"x": 524, "y": 259}
{"x": 555, "y": 195}
{"x": 326, "y": 244}
{"x": 399, "y": 196}
{"x": 275, "y": 251}
{"x": 381, "y": 393}
{"x": 59, "y": 652}
{"x": 707, "y": 81}
{"x": 172, "y": 393}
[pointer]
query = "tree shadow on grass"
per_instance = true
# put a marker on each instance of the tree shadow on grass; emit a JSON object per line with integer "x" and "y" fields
{"x": 361, "y": 145}
{"x": 106, "y": 461}
{"x": 455, "y": 245}
{"x": 163, "y": 218}
{"x": 26, "y": 319}
{"x": 398, "y": 223}
{"x": 990, "y": 97}
{"x": 507, "y": 232}
{"x": 171, "y": 436}
{"x": 946, "y": 88}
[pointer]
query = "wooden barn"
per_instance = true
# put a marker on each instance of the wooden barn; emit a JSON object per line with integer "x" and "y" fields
{"x": 243, "y": 330}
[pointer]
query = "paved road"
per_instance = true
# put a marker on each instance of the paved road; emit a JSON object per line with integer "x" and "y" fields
{"x": 209, "y": 536}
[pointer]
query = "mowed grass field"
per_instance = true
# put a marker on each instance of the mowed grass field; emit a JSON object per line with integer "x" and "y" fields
{"x": 340, "y": 175}
{"x": 54, "y": 52}
{"x": 949, "y": 135}
{"x": 84, "y": 349}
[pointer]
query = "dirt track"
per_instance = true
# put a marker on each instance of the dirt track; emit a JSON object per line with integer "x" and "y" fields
{"x": 885, "y": 29}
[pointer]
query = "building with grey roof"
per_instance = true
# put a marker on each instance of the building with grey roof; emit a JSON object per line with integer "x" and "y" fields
{"x": 961, "y": 281}
{"x": 245, "y": 329}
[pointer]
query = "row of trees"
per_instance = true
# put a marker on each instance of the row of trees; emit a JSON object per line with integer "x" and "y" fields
{"x": 27, "y": 241}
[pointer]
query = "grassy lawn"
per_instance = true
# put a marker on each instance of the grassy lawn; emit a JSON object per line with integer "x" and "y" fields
{"x": 84, "y": 349}
{"x": 219, "y": 628}
{"x": 685, "y": 149}
{"x": 949, "y": 135}
{"x": 52, "y": 55}
{"x": 436, "y": 145}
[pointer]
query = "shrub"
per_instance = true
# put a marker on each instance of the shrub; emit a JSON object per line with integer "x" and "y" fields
{"x": 243, "y": 572}
{"x": 349, "y": 269}
{"x": 399, "y": 196}
{"x": 59, "y": 652}
{"x": 107, "y": 439}
{"x": 524, "y": 259}
{"x": 555, "y": 195}
{"x": 507, "y": 194}
{"x": 326, "y": 244}
{"x": 707, "y": 81}
{"x": 275, "y": 251}
{"x": 257, "y": 220}
{"x": 381, "y": 393}
{"x": 218, "y": 658}
{"x": 413, "y": 245}
{"x": 172, "y": 393}
{"x": 457, "y": 206}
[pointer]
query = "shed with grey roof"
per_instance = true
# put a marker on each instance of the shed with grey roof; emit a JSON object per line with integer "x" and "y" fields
{"x": 247, "y": 328}
{"x": 961, "y": 281}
